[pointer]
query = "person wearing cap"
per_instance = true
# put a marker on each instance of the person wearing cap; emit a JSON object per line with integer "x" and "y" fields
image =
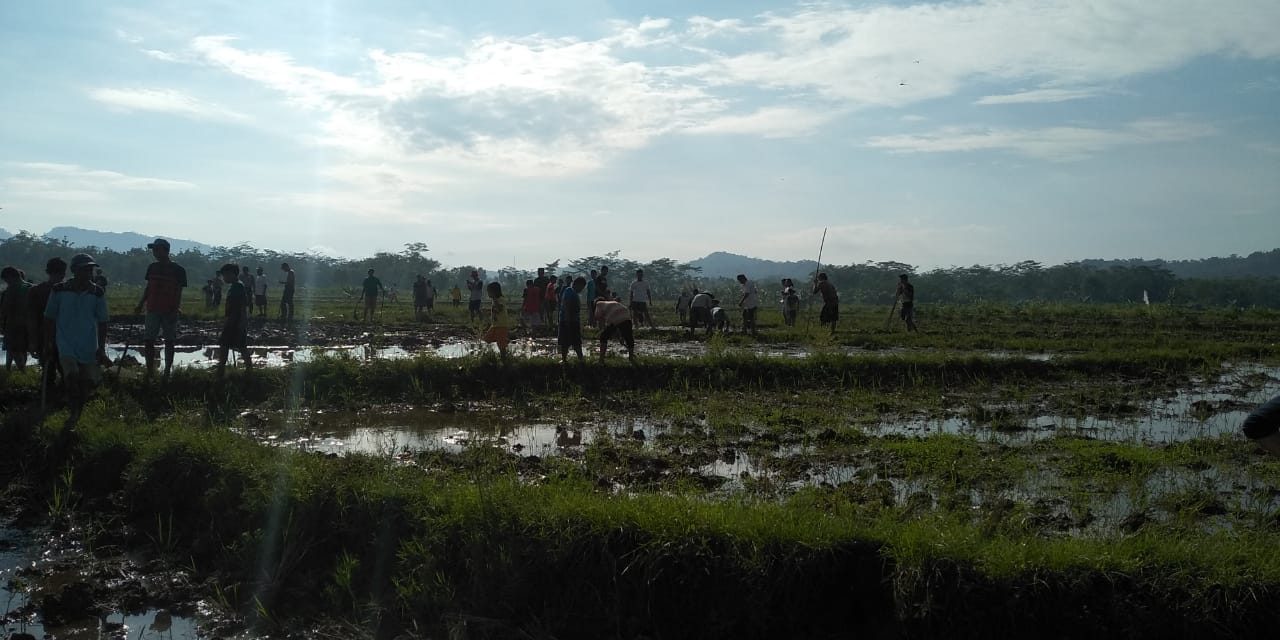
{"x": 907, "y": 294}
{"x": 76, "y": 323}
{"x": 13, "y": 318}
{"x": 162, "y": 298}
{"x": 475, "y": 286}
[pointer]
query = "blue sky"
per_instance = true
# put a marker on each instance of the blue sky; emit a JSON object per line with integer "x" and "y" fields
{"x": 931, "y": 133}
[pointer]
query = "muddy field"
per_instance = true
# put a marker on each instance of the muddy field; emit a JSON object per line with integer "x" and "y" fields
{"x": 1015, "y": 447}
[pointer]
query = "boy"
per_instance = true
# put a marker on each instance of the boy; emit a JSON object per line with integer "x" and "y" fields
{"x": 790, "y": 302}
{"x": 14, "y": 318}
{"x": 615, "y": 319}
{"x": 236, "y": 326}
{"x": 162, "y": 298}
{"x": 499, "y": 331}
{"x": 76, "y": 324}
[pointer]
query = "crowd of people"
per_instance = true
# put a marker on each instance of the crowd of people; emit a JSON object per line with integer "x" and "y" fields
{"x": 63, "y": 321}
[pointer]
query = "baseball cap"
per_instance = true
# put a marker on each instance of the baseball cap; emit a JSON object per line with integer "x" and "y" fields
{"x": 160, "y": 242}
{"x": 81, "y": 261}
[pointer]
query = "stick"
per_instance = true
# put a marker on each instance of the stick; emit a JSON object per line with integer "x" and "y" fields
{"x": 817, "y": 266}
{"x": 891, "y": 310}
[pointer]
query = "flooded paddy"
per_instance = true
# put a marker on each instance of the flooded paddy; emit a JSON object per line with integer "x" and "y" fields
{"x": 52, "y": 587}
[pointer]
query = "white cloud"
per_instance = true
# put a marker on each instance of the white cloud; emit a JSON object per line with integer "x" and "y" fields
{"x": 164, "y": 101}
{"x": 1048, "y": 143}
{"x": 769, "y": 122}
{"x": 70, "y": 182}
{"x": 1039, "y": 96}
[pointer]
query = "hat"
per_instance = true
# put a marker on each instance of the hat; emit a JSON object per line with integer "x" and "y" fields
{"x": 82, "y": 260}
{"x": 160, "y": 242}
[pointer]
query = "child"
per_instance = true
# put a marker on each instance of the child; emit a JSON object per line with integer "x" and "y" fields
{"x": 235, "y": 328}
{"x": 790, "y": 302}
{"x": 499, "y": 331}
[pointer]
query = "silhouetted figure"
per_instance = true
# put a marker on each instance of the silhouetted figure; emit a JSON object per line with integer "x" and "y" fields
{"x": 830, "y": 313}
{"x": 162, "y": 299}
{"x": 290, "y": 283}
{"x": 906, "y": 293}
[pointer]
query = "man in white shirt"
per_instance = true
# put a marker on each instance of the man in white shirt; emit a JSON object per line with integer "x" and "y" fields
{"x": 640, "y": 300}
{"x": 260, "y": 293}
{"x": 750, "y": 302}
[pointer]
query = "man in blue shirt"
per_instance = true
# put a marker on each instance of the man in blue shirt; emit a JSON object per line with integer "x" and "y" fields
{"x": 570, "y": 334}
{"x": 76, "y": 322}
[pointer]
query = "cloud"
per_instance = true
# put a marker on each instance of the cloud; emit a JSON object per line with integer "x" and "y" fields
{"x": 769, "y": 122}
{"x": 164, "y": 101}
{"x": 70, "y": 182}
{"x": 1039, "y": 96}
{"x": 1048, "y": 143}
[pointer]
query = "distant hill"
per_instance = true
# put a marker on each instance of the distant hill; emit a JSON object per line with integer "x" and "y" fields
{"x": 1263, "y": 264}
{"x": 122, "y": 242}
{"x": 727, "y": 265}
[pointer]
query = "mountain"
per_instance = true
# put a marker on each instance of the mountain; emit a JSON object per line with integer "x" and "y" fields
{"x": 122, "y": 242}
{"x": 1261, "y": 264}
{"x": 727, "y": 265}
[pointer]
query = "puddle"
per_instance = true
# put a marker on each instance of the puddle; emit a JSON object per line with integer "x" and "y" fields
{"x": 24, "y": 580}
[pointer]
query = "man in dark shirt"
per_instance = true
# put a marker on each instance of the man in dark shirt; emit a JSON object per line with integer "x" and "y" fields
{"x": 370, "y": 289}
{"x": 162, "y": 298}
{"x": 286, "y": 297}
{"x": 43, "y": 346}
{"x": 570, "y": 327}
{"x": 907, "y": 294}
{"x": 235, "y": 327}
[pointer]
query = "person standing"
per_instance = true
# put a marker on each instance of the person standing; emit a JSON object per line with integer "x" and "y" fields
{"x": 790, "y": 302}
{"x": 235, "y": 327}
{"x": 248, "y": 281}
{"x": 76, "y": 327}
{"x": 455, "y": 295}
{"x": 419, "y": 297}
{"x": 830, "y": 301}
{"x": 499, "y": 331}
{"x": 217, "y": 290}
{"x": 551, "y": 295}
{"x": 260, "y": 292}
{"x": 369, "y": 291}
{"x": 431, "y": 297}
{"x": 531, "y": 305}
{"x": 615, "y": 319}
{"x": 37, "y": 300}
{"x": 290, "y": 283}
{"x": 907, "y": 294}
{"x": 682, "y": 304}
{"x": 15, "y": 318}
{"x": 162, "y": 298}
{"x": 641, "y": 298}
{"x": 569, "y": 335}
{"x": 602, "y": 283}
{"x": 750, "y": 303}
{"x": 475, "y": 289}
{"x": 591, "y": 297}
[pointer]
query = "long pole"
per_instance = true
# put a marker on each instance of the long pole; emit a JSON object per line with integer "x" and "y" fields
{"x": 888, "y": 320}
{"x": 817, "y": 266}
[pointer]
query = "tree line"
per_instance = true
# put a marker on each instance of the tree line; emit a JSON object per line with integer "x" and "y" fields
{"x": 866, "y": 283}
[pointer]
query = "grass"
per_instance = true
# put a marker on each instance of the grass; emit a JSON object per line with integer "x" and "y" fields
{"x": 978, "y": 533}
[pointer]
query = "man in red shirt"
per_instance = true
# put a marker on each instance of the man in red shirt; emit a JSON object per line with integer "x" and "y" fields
{"x": 163, "y": 300}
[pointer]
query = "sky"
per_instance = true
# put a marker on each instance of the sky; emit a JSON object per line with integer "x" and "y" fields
{"x": 515, "y": 133}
